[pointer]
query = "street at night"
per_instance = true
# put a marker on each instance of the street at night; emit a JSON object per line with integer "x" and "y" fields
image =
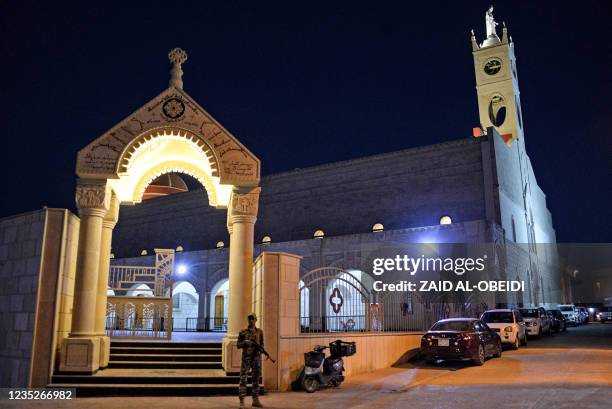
{"x": 566, "y": 370}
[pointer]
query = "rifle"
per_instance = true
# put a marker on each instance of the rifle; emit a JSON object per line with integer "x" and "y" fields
{"x": 263, "y": 351}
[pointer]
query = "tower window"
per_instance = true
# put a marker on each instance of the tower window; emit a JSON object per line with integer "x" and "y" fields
{"x": 378, "y": 227}
{"x": 220, "y": 244}
{"x": 446, "y": 220}
{"x": 319, "y": 234}
{"x": 266, "y": 240}
{"x": 497, "y": 110}
{"x": 179, "y": 248}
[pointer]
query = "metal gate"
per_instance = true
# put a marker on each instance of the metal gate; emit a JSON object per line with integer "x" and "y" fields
{"x": 336, "y": 300}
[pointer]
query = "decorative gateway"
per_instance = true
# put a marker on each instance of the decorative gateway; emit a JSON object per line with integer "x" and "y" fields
{"x": 141, "y": 306}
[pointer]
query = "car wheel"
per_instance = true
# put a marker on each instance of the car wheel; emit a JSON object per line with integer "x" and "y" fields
{"x": 310, "y": 384}
{"x": 480, "y": 359}
{"x": 524, "y": 341}
{"x": 515, "y": 346}
{"x": 499, "y": 348}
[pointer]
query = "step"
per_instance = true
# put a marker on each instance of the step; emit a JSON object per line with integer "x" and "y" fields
{"x": 157, "y": 380}
{"x": 113, "y": 389}
{"x": 165, "y": 364}
{"x": 165, "y": 344}
{"x": 165, "y": 357}
{"x": 172, "y": 351}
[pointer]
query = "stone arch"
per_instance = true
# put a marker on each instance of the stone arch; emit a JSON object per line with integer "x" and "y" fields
{"x": 167, "y": 150}
{"x": 185, "y": 300}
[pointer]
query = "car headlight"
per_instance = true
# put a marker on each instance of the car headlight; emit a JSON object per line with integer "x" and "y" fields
{"x": 508, "y": 329}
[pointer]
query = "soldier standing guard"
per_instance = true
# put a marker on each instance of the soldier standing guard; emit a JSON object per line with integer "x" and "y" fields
{"x": 250, "y": 340}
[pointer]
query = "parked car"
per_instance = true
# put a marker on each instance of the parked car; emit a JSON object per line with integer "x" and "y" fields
{"x": 605, "y": 315}
{"x": 509, "y": 325}
{"x": 557, "y": 320}
{"x": 570, "y": 314}
{"x": 536, "y": 321}
{"x": 460, "y": 339}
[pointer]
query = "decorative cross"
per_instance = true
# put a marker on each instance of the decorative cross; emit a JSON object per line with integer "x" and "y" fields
{"x": 177, "y": 57}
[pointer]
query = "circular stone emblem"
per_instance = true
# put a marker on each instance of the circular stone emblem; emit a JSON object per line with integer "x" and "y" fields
{"x": 173, "y": 108}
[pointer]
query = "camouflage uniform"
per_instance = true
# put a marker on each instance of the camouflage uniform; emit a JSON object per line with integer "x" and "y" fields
{"x": 251, "y": 359}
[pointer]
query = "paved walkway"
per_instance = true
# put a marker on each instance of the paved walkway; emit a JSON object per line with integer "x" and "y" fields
{"x": 570, "y": 370}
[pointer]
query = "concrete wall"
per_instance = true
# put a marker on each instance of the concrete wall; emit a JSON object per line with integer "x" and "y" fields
{"x": 21, "y": 241}
{"x": 375, "y": 350}
{"x": 404, "y": 189}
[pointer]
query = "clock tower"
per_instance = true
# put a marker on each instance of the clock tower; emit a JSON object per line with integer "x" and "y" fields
{"x": 499, "y": 101}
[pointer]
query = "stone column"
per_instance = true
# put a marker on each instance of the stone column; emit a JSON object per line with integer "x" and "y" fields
{"x": 109, "y": 222}
{"x": 241, "y": 217}
{"x": 80, "y": 352}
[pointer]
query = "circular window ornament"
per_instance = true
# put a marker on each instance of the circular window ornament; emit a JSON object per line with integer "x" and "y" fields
{"x": 444, "y": 220}
{"x": 173, "y": 109}
{"x": 319, "y": 234}
{"x": 266, "y": 240}
{"x": 492, "y": 66}
{"x": 220, "y": 244}
{"x": 378, "y": 227}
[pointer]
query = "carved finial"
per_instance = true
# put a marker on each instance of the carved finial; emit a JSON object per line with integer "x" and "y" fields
{"x": 177, "y": 57}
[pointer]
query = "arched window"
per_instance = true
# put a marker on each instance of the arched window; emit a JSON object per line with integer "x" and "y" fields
{"x": 220, "y": 244}
{"x": 179, "y": 248}
{"x": 143, "y": 253}
{"x": 319, "y": 234}
{"x": 378, "y": 227}
{"x": 446, "y": 220}
{"x": 266, "y": 240}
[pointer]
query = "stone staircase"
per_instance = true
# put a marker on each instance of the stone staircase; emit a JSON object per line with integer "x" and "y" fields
{"x": 140, "y": 368}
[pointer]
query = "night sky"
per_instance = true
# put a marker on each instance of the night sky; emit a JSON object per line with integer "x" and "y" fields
{"x": 307, "y": 83}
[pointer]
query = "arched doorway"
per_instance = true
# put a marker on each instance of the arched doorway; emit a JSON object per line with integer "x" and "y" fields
{"x": 219, "y": 300}
{"x": 171, "y": 133}
{"x": 185, "y": 301}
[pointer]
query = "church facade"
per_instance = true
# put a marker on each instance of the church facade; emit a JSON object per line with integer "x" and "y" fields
{"x": 476, "y": 189}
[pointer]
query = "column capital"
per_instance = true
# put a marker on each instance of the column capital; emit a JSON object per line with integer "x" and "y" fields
{"x": 112, "y": 214}
{"x": 93, "y": 194}
{"x": 244, "y": 204}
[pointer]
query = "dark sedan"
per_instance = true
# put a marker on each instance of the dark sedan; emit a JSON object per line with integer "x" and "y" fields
{"x": 460, "y": 339}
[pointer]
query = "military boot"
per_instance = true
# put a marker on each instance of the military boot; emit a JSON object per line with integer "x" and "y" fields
{"x": 256, "y": 402}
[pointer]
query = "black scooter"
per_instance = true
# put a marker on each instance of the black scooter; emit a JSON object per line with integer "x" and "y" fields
{"x": 321, "y": 371}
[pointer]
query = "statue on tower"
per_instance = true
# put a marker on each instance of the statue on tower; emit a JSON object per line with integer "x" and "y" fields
{"x": 490, "y": 23}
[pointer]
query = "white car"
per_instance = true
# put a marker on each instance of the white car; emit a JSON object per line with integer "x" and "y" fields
{"x": 536, "y": 321}
{"x": 570, "y": 314}
{"x": 509, "y": 325}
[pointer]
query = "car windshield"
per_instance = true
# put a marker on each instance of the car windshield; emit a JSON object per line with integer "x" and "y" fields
{"x": 495, "y": 317}
{"x": 529, "y": 313}
{"x": 567, "y": 308}
{"x": 451, "y": 326}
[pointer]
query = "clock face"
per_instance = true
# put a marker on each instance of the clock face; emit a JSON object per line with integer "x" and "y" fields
{"x": 492, "y": 66}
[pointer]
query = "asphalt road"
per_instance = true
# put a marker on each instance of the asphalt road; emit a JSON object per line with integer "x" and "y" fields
{"x": 567, "y": 370}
